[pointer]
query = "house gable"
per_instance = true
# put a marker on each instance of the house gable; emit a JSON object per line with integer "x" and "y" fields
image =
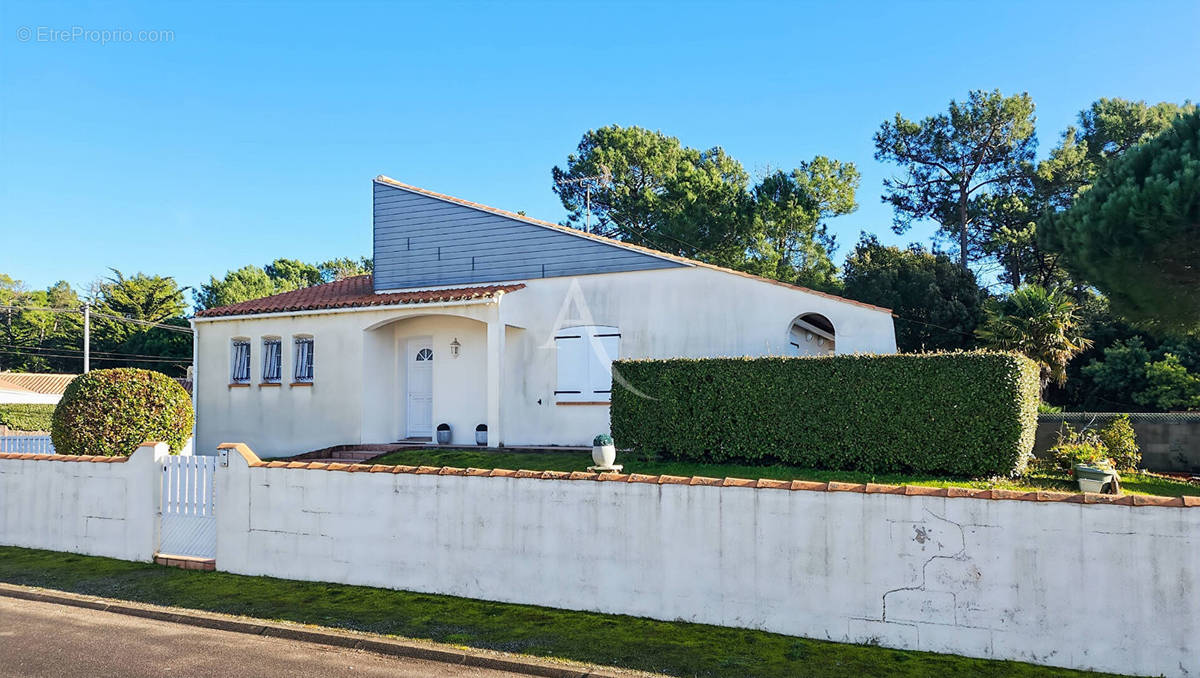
{"x": 423, "y": 239}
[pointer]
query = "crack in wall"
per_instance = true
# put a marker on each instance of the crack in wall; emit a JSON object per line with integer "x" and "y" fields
{"x": 922, "y": 536}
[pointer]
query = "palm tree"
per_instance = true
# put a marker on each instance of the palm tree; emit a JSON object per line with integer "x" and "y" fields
{"x": 1040, "y": 323}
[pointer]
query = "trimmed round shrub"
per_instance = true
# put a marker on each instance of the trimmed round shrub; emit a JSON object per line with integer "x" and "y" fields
{"x": 111, "y": 412}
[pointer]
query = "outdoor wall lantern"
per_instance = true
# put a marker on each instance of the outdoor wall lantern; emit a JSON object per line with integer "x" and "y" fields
{"x": 454, "y": 348}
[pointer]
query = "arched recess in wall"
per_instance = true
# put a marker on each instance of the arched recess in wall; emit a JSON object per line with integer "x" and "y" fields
{"x": 812, "y": 334}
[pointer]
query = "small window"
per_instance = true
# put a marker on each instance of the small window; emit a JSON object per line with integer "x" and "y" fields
{"x": 304, "y": 359}
{"x": 272, "y": 360}
{"x": 239, "y": 372}
{"x": 425, "y": 355}
{"x": 585, "y": 356}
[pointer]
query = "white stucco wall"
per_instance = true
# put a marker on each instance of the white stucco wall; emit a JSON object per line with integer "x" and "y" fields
{"x": 29, "y": 397}
{"x": 90, "y": 507}
{"x": 358, "y": 392}
{"x": 1084, "y": 586}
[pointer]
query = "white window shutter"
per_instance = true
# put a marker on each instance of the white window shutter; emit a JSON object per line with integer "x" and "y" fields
{"x": 604, "y": 348}
{"x": 572, "y": 365}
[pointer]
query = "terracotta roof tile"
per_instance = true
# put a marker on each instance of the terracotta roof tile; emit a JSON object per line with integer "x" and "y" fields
{"x": 356, "y": 292}
{"x": 50, "y": 384}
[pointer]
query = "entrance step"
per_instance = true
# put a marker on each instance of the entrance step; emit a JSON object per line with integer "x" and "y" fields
{"x": 186, "y": 562}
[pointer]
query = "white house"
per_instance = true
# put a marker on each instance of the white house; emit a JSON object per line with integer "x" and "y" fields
{"x": 480, "y": 317}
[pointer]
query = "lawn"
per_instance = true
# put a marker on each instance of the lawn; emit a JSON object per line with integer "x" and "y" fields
{"x": 26, "y": 417}
{"x": 1133, "y": 483}
{"x": 675, "y": 648}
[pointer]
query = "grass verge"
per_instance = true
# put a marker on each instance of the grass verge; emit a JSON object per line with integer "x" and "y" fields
{"x": 1133, "y": 483}
{"x": 675, "y": 648}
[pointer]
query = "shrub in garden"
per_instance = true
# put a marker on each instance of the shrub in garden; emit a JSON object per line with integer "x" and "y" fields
{"x": 969, "y": 414}
{"x": 26, "y": 417}
{"x": 1120, "y": 442}
{"x": 111, "y": 412}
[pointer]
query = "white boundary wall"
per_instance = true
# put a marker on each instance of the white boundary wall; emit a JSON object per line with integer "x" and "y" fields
{"x": 100, "y": 508}
{"x": 1103, "y": 587}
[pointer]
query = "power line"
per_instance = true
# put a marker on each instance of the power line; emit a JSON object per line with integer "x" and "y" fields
{"x": 164, "y": 326}
{"x": 64, "y": 349}
{"x": 108, "y": 358}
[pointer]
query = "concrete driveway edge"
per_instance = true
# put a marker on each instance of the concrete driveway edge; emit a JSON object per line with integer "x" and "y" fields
{"x": 339, "y": 638}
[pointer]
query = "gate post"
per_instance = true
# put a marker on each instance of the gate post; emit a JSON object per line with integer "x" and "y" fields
{"x": 145, "y": 496}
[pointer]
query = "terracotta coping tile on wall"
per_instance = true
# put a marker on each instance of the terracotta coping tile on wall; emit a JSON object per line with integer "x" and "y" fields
{"x": 834, "y": 486}
{"x": 1043, "y": 495}
{"x": 761, "y": 483}
{"x": 809, "y": 486}
{"x": 768, "y": 484}
{"x": 1144, "y": 500}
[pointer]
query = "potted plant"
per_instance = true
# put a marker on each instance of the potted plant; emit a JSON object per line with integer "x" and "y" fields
{"x": 604, "y": 452}
{"x": 443, "y": 434}
{"x": 1085, "y": 456}
{"x": 481, "y": 435}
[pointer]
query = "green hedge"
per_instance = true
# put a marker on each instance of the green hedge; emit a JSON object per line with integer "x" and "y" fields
{"x": 111, "y": 412}
{"x": 966, "y": 414}
{"x": 26, "y": 416}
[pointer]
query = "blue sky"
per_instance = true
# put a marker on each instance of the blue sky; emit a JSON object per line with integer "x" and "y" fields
{"x": 254, "y": 132}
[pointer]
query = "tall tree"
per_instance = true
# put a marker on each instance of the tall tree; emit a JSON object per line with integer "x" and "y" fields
{"x": 1135, "y": 234}
{"x": 345, "y": 267}
{"x": 1042, "y": 324}
{"x": 951, "y": 159}
{"x": 281, "y": 275}
{"x": 151, "y": 298}
{"x": 791, "y": 210}
{"x": 291, "y": 274}
{"x": 646, "y": 188}
{"x": 937, "y": 303}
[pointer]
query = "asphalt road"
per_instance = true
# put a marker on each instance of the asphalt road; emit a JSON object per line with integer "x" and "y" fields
{"x": 43, "y": 639}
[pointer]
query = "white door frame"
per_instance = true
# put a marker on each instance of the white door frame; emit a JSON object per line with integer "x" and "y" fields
{"x": 412, "y": 399}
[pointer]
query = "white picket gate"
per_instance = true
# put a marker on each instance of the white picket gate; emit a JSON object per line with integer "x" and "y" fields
{"x": 189, "y": 521}
{"x": 27, "y": 444}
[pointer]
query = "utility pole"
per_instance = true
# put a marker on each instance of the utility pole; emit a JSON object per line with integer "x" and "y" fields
{"x": 87, "y": 338}
{"x": 604, "y": 178}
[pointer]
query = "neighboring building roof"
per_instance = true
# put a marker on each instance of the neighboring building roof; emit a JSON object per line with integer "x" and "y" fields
{"x": 611, "y": 241}
{"x": 356, "y": 292}
{"x": 46, "y": 384}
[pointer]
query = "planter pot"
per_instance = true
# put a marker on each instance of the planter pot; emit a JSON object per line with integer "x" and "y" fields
{"x": 443, "y": 434}
{"x": 481, "y": 435}
{"x": 604, "y": 455}
{"x": 1093, "y": 478}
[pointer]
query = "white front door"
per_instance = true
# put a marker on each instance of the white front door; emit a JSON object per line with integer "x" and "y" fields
{"x": 420, "y": 388}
